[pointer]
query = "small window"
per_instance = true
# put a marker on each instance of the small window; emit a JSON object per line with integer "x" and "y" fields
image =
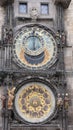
{"x": 44, "y": 9}
{"x": 23, "y": 7}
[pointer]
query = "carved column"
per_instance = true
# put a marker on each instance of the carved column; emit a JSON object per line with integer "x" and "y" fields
{"x": 61, "y": 4}
{"x": 8, "y": 101}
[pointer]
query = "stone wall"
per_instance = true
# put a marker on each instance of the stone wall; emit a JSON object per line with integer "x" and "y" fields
{"x": 69, "y": 57}
{"x": 68, "y": 17}
{"x": 69, "y": 23}
{"x": 2, "y": 15}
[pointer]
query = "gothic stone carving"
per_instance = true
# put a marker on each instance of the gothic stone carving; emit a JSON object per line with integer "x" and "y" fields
{"x": 3, "y": 100}
{"x": 7, "y": 35}
{"x": 3, "y": 2}
{"x": 65, "y": 3}
{"x": 34, "y": 14}
{"x": 61, "y": 37}
{"x": 63, "y": 100}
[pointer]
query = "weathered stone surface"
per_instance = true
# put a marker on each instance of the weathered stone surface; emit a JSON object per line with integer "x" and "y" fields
{"x": 1, "y": 92}
{"x": 68, "y": 58}
{"x": 68, "y": 17}
{"x": 65, "y": 3}
{"x": 3, "y": 2}
{"x": 68, "y": 54}
{"x": 2, "y": 15}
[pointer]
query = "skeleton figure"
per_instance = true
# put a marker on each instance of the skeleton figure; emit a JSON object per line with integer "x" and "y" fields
{"x": 10, "y": 97}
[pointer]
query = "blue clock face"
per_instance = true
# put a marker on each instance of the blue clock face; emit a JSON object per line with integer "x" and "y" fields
{"x": 34, "y": 47}
{"x": 33, "y": 43}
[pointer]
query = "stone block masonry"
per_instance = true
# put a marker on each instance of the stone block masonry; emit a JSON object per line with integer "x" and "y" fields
{"x": 2, "y": 16}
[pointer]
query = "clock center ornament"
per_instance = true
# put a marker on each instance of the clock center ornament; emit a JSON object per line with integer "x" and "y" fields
{"x": 33, "y": 44}
{"x": 35, "y": 102}
{"x": 34, "y": 47}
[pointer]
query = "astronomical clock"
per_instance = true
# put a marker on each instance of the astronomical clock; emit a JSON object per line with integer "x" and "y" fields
{"x": 35, "y": 48}
{"x": 35, "y": 102}
{"x": 32, "y": 65}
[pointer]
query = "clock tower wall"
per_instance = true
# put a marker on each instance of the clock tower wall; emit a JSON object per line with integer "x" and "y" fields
{"x": 33, "y": 15}
{"x": 47, "y": 17}
{"x": 2, "y": 16}
{"x": 68, "y": 56}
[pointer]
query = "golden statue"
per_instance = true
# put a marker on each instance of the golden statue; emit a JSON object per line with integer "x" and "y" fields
{"x": 10, "y": 97}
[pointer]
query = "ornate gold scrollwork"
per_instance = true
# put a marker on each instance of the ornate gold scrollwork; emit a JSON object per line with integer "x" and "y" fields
{"x": 35, "y": 102}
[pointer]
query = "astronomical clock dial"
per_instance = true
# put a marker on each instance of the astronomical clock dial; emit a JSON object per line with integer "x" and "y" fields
{"x": 35, "y": 102}
{"x": 34, "y": 47}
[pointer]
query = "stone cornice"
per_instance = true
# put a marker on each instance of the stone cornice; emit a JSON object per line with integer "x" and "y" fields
{"x": 65, "y": 3}
{"x": 4, "y": 2}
